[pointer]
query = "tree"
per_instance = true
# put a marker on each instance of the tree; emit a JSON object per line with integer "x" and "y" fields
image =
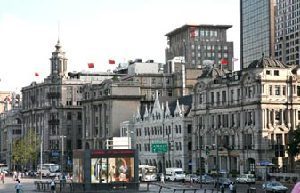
{"x": 294, "y": 145}
{"x": 25, "y": 149}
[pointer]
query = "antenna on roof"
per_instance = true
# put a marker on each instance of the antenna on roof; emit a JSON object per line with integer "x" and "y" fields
{"x": 58, "y": 30}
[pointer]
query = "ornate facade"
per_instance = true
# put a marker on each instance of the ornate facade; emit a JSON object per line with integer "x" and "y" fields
{"x": 243, "y": 118}
{"x": 170, "y": 124}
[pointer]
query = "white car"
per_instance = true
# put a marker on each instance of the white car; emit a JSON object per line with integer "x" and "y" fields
{"x": 191, "y": 178}
{"x": 274, "y": 186}
{"x": 245, "y": 178}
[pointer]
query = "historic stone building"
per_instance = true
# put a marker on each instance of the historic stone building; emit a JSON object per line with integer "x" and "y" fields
{"x": 244, "y": 118}
{"x": 53, "y": 108}
{"x": 105, "y": 106}
{"x": 10, "y": 128}
{"x": 169, "y": 124}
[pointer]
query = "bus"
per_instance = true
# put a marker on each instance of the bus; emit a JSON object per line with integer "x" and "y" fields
{"x": 147, "y": 173}
{"x": 48, "y": 169}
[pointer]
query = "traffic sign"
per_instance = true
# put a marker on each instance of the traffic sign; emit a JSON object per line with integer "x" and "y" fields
{"x": 159, "y": 147}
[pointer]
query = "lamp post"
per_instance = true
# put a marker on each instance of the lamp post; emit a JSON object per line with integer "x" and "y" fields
{"x": 169, "y": 146}
{"x": 62, "y": 153}
{"x": 217, "y": 160}
{"x": 41, "y": 157}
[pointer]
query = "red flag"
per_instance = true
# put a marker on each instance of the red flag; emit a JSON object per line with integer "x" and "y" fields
{"x": 224, "y": 61}
{"x": 91, "y": 65}
{"x": 111, "y": 61}
{"x": 36, "y": 74}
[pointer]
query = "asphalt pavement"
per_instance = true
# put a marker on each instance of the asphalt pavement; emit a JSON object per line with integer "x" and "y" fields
{"x": 168, "y": 187}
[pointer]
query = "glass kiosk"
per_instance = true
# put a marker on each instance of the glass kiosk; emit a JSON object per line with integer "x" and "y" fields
{"x": 109, "y": 169}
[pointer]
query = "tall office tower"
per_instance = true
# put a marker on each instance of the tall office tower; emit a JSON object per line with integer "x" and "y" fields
{"x": 196, "y": 43}
{"x": 287, "y": 31}
{"x": 257, "y": 30}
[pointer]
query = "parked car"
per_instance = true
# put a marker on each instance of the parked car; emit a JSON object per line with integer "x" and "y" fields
{"x": 191, "y": 178}
{"x": 224, "y": 181}
{"x": 207, "y": 179}
{"x": 245, "y": 178}
{"x": 32, "y": 173}
{"x": 274, "y": 186}
{"x": 158, "y": 177}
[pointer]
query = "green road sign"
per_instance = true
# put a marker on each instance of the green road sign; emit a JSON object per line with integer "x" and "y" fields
{"x": 159, "y": 147}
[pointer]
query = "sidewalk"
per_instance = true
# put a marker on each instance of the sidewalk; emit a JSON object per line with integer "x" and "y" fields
{"x": 29, "y": 187}
{"x": 9, "y": 185}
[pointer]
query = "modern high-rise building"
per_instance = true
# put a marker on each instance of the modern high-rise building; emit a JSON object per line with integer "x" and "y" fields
{"x": 287, "y": 31}
{"x": 197, "y": 43}
{"x": 257, "y": 30}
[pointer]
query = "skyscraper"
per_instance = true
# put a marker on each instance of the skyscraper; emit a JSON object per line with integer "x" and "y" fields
{"x": 197, "y": 43}
{"x": 257, "y": 30}
{"x": 287, "y": 31}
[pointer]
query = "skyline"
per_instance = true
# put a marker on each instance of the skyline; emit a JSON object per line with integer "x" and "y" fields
{"x": 95, "y": 31}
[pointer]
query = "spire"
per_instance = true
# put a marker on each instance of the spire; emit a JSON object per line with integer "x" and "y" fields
{"x": 156, "y": 102}
{"x": 58, "y": 46}
{"x": 167, "y": 113}
{"x": 177, "y": 111}
{"x": 58, "y": 62}
{"x": 146, "y": 114}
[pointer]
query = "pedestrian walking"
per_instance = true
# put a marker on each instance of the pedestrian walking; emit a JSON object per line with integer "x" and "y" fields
{"x": 231, "y": 187}
{"x": 2, "y": 176}
{"x": 162, "y": 178}
{"x": 18, "y": 186}
{"x": 222, "y": 188}
{"x": 52, "y": 186}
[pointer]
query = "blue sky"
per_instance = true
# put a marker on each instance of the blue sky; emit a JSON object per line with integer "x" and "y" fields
{"x": 95, "y": 31}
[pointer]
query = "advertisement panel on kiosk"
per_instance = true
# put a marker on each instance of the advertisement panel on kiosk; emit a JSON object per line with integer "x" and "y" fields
{"x": 110, "y": 166}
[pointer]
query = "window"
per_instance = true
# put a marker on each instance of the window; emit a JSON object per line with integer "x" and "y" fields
{"x": 224, "y": 98}
{"x": 298, "y": 90}
{"x": 218, "y": 98}
{"x": 277, "y": 90}
{"x": 231, "y": 96}
{"x": 189, "y": 128}
{"x": 270, "y": 89}
{"x": 69, "y": 116}
{"x": 200, "y": 99}
{"x": 283, "y": 90}
{"x": 212, "y": 97}
{"x": 268, "y": 72}
{"x": 79, "y": 116}
{"x": 276, "y": 72}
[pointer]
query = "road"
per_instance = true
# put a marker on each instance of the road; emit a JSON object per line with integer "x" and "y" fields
{"x": 29, "y": 187}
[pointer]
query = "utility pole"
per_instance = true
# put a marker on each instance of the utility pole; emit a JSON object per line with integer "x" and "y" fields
{"x": 41, "y": 152}
{"x": 217, "y": 160}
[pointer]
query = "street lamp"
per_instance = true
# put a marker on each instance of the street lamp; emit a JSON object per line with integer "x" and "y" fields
{"x": 62, "y": 152}
{"x": 41, "y": 157}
